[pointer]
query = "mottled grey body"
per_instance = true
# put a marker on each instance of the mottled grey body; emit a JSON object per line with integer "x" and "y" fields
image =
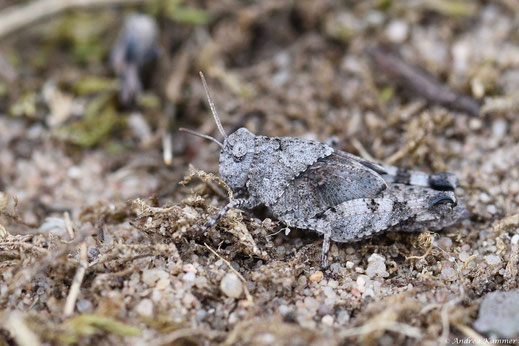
{"x": 310, "y": 185}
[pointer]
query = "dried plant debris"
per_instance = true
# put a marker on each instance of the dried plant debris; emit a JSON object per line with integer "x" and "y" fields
{"x": 421, "y": 83}
{"x": 100, "y": 244}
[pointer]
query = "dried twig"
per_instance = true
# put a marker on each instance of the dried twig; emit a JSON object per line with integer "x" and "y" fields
{"x": 68, "y": 223}
{"x": 76, "y": 283}
{"x": 472, "y": 334}
{"x": 17, "y": 17}
{"x": 22, "y": 334}
{"x": 422, "y": 83}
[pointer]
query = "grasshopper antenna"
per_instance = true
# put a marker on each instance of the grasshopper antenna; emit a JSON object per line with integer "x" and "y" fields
{"x": 201, "y": 135}
{"x": 213, "y": 108}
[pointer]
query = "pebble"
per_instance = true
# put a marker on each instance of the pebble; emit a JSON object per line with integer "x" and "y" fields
{"x": 189, "y": 268}
{"x": 84, "y": 306}
{"x": 189, "y": 300}
{"x": 329, "y": 292}
{"x": 368, "y": 293}
{"x": 515, "y": 239}
{"x": 492, "y": 209}
{"x": 189, "y": 277}
{"x": 283, "y": 309}
{"x": 376, "y": 266}
{"x": 492, "y": 259}
{"x": 397, "y": 31}
{"x": 498, "y": 314}
{"x": 149, "y": 277}
{"x": 324, "y": 309}
{"x": 317, "y": 276}
{"x": 484, "y": 197}
{"x": 448, "y": 273}
{"x": 231, "y": 285}
{"x": 499, "y": 127}
{"x": 464, "y": 256}
{"x": 445, "y": 243}
{"x": 328, "y": 320}
{"x": 311, "y": 303}
{"x": 145, "y": 308}
{"x": 343, "y": 316}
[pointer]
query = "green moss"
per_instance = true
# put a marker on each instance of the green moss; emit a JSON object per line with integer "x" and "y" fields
{"x": 87, "y": 325}
{"x": 97, "y": 124}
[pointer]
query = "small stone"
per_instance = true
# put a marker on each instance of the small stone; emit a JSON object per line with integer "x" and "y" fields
{"x": 498, "y": 314}
{"x": 324, "y": 309}
{"x": 349, "y": 264}
{"x": 484, "y": 197}
{"x": 397, "y": 31}
{"x": 84, "y": 306}
{"x": 283, "y": 309}
{"x": 189, "y": 268}
{"x": 145, "y": 308}
{"x": 149, "y": 277}
{"x": 189, "y": 300}
{"x": 499, "y": 128}
{"x": 464, "y": 256}
{"x": 189, "y": 277}
{"x": 231, "y": 286}
{"x": 445, "y": 243}
{"x": 491, "y": 209}
{"x": 515, "y": 239}
{"x": 343, "y": 316}
{"x": 317, "y": 276}
{"x": 368, "y": 293}
{"x": 492, "y": 259}
{"x": 448, "y": 272}
{"x": 329, "y": 292}
{"x": 376, "y": 266}
{"x": 328, "y": 320}
{"x": 162, "y": 284}
{"x": 311, "y": 303}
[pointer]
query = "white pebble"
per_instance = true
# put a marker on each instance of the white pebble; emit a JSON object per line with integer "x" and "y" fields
{"x": 492, "y": 259}
{"x": 145, "y": 308}
{"x": 376, "y": 266}
{"x": 369, "y": 293}
{"x": 448, "y": 272}
{"x": 149, "y": 277}
{"x": 464, "y": 256}
{"x": 189, "y": 277}
{"x": 397, "y": 31}
{"x": 343, "y": 316}
{"x": 328, "y": 320}
{"x": 515, "y": 239}
{"x": 231, "y": 285}
{"x": 499, "y": 127}
{"x": 445, "y": 243}
{"x": 484, "y": 197}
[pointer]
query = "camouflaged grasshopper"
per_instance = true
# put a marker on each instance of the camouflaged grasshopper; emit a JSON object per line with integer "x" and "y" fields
{"x": 310, "y": 185}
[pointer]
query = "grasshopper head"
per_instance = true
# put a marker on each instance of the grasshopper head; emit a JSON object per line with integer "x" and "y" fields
{"x": 236, "y": 158}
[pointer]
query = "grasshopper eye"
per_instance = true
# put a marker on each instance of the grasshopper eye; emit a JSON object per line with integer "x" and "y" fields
{"x": 239, "y": 150}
